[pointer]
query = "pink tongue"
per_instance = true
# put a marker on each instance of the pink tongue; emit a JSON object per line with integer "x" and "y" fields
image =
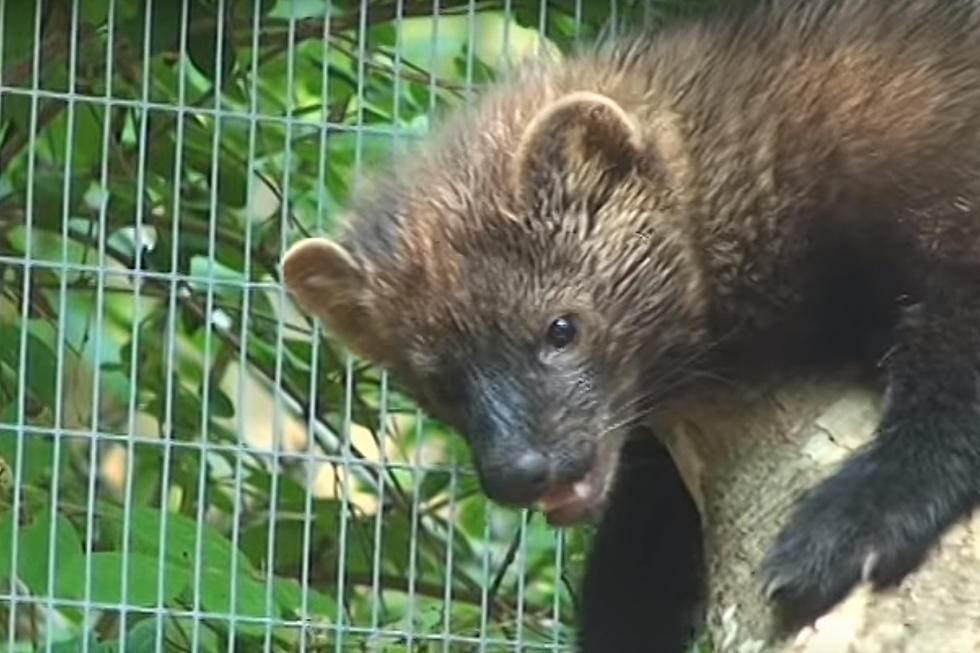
{"x": 560, "y": 498}
{"x": 572, "y": 502}
{"x": 570, "y": 497}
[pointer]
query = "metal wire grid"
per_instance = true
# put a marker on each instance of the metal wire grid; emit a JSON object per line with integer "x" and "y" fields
{"x": 338, "y": 630}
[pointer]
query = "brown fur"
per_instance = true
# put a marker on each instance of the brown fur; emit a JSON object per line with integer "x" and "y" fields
{"x": 775, "y": 123}
{"x": 763, "y": 187}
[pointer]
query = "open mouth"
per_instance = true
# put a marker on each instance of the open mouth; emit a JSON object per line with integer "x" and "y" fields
{"x": 572, "y": 502}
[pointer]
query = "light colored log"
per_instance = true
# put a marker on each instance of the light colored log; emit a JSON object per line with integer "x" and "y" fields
{"x": 746, "y": 460}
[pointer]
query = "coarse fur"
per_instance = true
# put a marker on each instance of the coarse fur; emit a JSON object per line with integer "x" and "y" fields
{"x": 754, "y": 191}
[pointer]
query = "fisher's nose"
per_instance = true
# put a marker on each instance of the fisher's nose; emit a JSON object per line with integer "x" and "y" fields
{"x": 519, "y": 480}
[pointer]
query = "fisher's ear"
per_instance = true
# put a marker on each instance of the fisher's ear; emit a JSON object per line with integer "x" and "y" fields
{"x": 581, "y": 140}
{"x": 326, "y": 281}
{"x": 586, "y": 142}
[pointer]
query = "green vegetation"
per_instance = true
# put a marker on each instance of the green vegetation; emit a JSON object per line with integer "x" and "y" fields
{"x": 152, "y": 193}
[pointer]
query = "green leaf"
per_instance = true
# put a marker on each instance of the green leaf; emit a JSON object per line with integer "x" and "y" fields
{"x": 33, "y": 554}
{"x": 202, "y": 49}
{"x": 201, "y": 266}
{"x": 18, "y": 33}
{"x": 161, "y": 156}
{"x": 16, "y": 110}
{"x": 471, "y": 515}
{"x": 49, "y": 187}
{"x": 142, "y": 636}
{"x": 142, "y": 576}
{"x": 180, "y": 540}
{"x": 289, "y": 535}
{"x": 147, "y": 467}
{"x": 40, "y": 362}
{"x": 164, "y": 25}
{"x": 428, "y": 619}
{"x": 299, "y": 9}
{"x": 179, "y": 629}
{"x": 76, "y": 645}
{"x": 433, "y": 483}
{"x": 6, "y": 543}
{"x": 198, "y": 155}
{"x": 244, "y": 10}
{"x": 288, "y": 542}
{"x": 290, "y": 493}
{"x": 219, "y": 404}
{"x": 37, "y": 453}
{"x": 93, "y": 12}
{"x": 85, "y": 146}
{"x": 250, "y": 594}
{"x": 289, "y": 595}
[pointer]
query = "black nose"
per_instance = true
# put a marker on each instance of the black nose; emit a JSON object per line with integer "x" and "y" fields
{"x": 517, "y": 481}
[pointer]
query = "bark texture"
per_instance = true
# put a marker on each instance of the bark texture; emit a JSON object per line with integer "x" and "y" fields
{"x": 746, "y": 459}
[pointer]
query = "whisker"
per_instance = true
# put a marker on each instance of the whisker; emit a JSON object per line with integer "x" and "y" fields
{"x": 683, "y": 369}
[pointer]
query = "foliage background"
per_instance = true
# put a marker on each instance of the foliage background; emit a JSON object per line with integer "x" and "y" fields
{"x": 186, "y": 462}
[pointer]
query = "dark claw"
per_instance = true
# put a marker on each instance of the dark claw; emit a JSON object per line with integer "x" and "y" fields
{"x": 860, "y": 524}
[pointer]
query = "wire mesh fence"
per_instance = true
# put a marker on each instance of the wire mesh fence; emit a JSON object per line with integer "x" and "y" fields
{"x": 186, "y": 461}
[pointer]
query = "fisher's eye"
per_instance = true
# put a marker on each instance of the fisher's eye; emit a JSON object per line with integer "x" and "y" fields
{"x": 561, "y": 332}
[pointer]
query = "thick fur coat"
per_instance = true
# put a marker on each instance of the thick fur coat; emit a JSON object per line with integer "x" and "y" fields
{"x": 753, "y": 191}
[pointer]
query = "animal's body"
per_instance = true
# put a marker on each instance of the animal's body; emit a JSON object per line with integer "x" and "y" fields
{"x": 754, "y": 191}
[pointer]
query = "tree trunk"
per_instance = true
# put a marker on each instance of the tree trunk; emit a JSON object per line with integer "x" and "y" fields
{"x": 746, "y": 461}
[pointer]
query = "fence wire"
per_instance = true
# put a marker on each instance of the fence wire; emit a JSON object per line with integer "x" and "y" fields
{"x": 187, "y": 463}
